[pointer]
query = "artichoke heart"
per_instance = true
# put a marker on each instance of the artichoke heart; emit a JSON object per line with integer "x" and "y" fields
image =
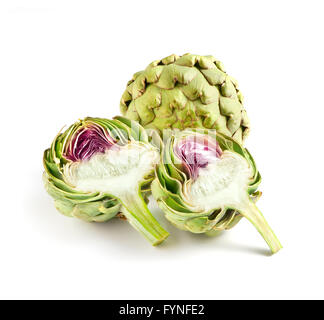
{"x": 206, "y": 182}
{"x": 99, "y": 169}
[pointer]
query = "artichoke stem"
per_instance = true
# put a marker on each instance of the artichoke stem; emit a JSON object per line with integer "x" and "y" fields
{"x": 139, "y": 216}
{"x": 254, "y": 215}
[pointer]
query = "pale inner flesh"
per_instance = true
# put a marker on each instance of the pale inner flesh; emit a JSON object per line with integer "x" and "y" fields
{"x": 118, "y": 171}
{"x": 223, "y": 183}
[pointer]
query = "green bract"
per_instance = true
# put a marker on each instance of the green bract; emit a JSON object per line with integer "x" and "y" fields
{"x": 206, "y": 182}
{"x": 190, "y": 91}
{"x": 99, "y": 168}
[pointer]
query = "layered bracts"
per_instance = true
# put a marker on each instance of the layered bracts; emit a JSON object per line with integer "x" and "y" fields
{"x": 207, "y": 182}
{"x": 99, "y": 169}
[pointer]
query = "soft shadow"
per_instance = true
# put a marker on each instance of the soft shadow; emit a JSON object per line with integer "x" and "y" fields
{"x": 118, "y": 237}
{"x": 248, "y": 249}
{"x": 221, "y": 241}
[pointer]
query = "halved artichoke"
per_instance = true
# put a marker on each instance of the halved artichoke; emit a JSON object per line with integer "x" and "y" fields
{"x": 207, "y": 182}
{"x": 99, "y": 168}
{"x": 190, "y": 91}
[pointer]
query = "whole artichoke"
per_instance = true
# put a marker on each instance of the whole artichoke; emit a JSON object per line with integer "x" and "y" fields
{"x": 206, "y": 182}
{"x": 190, "y": 91}
{"x": 99, "y": 168}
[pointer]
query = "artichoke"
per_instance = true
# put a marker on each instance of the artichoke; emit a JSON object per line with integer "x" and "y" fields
{"x": 190, "y": 91}
{"x": 99, "y": 169}
{"x": 207, "y": 182}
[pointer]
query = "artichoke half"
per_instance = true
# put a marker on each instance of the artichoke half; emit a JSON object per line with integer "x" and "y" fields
{"x": 99, "y": 169}
{"x": 207, "y": 182}
{"x": 189, "y": 91}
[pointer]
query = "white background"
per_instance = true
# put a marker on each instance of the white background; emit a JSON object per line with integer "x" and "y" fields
{"x": 64, "y": 60}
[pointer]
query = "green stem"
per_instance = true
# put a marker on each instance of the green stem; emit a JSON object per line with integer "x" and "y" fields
{"x": 139, "y": 216}
{"x": 254, "y": 215}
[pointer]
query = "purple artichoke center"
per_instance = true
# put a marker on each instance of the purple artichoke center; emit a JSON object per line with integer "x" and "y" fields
{"x": 87, "y": 142}
{"x": 197, "y": 152}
